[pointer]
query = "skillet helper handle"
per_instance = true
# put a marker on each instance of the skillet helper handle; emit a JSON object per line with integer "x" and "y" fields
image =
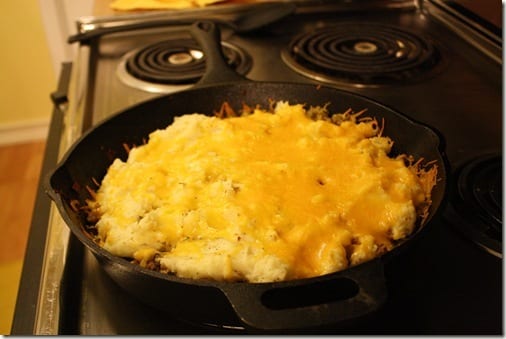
{"x": 207, "y": 35}
{"x": 311, "y": 303}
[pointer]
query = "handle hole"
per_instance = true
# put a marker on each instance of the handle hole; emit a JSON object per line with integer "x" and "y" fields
{"x": 317, "y": 293}
{"x": 205, "y": 26}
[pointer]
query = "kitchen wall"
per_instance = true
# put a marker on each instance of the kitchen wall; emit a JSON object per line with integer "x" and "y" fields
{"x": 26, "y": 74}
{"x": 59, "y": 20}
{"x": 33, "y": 38}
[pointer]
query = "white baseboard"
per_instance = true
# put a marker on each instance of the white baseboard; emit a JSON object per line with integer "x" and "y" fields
{"x": 23, "y": 132}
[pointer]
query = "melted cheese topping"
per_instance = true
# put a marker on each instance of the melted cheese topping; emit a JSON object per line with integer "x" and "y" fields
{"x": 131, "y": 5}
{"x": 262, "y": 197}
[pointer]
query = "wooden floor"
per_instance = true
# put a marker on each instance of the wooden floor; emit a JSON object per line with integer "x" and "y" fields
{"x": 19, "y": 175}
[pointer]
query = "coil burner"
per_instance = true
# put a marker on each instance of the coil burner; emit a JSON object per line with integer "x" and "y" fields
{"x": 476, "y": 204}
{"x": 175, "y": 64}
{"x": 363, "y": 55}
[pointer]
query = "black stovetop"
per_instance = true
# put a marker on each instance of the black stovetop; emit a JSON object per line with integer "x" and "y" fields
{"x": 445, "y": 283}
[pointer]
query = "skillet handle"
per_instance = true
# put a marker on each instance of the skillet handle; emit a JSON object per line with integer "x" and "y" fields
{"x": 207, "y": 35}
{"x": 311, "y": 303}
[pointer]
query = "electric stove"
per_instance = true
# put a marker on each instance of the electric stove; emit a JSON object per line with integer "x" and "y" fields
{"x": 435, "y": 61}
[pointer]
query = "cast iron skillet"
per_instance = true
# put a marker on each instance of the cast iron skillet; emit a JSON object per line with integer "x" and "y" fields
{"x": 331, "y": 299}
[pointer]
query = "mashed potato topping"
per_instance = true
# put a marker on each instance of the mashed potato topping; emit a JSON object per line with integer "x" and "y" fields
{"x": 266, "y": 196}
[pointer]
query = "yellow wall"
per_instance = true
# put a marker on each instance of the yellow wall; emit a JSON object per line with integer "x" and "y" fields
{"x": 26, "y": 74}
